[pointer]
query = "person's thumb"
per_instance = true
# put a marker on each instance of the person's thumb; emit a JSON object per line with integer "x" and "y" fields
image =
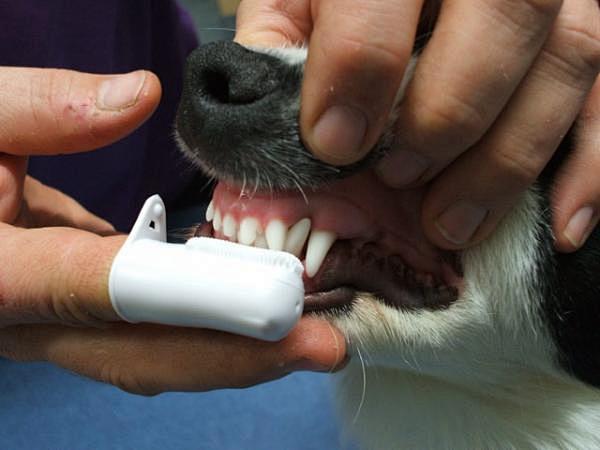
{"x": 356, "y": 62}
{"x": 50, "y": 111}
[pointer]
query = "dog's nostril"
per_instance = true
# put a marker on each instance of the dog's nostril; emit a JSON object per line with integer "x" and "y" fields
{"x": 223, "y": 87}
{"x": 216, "y": 86}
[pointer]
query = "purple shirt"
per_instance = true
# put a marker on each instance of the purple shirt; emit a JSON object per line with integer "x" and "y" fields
{"x": 108, "y": 36}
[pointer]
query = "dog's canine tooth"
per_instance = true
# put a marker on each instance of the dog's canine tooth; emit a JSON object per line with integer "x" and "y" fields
{"x": 319, "y": 243}
{"x": 210, "y": 211}
{"x": 276, "y": 234}
{"x": 217, "y": 220}
{"x": 248, "y": 231}
{"x": 297, "y": 236}
{"x": 260, "y": 241}
{"x": 229, "y": 226}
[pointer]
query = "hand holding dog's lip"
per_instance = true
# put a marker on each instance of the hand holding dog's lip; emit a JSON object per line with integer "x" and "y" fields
{"x": 468, "y": 125}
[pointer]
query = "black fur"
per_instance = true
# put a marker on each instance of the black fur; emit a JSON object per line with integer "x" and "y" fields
{"x": 571, "y": 290}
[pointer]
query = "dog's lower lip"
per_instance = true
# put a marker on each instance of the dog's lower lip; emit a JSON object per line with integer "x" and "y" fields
{"x": 350, "y": 268}
{"x": 335, "y": 299}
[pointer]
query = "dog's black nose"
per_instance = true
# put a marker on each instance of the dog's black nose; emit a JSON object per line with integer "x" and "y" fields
{"x": 234, "y": 96}
{"x": 225, "y": 73}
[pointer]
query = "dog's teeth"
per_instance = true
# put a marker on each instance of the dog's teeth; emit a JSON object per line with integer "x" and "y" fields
{"x": 296, "y": 237}
{"x": 276, "y": 233}
{"x": 319, "y": 243}
{"x": 217, "y": 220}
{"x": 229, "y": 226}
{"x": 248, "y": 230}
{"x": 260, "y": 241}
{"x": 210, "y": 211}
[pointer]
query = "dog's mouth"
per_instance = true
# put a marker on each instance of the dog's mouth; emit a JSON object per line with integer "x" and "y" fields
{"x": 353, "y": 236}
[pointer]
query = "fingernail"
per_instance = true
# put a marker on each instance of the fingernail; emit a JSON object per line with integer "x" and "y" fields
{"x": 401, "y": 168}
{"x": 580, "y": 226}
{"x": 121, "y": 92}
{"x": 460, "y": 221}
{"x": 339, "y": 134}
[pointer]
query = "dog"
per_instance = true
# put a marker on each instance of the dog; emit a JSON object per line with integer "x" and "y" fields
{"x": 494, "y": 347}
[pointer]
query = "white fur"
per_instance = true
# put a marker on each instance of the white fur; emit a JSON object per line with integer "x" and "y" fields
{"x": 291, "y": 55}
{"x": 479, "y": 375}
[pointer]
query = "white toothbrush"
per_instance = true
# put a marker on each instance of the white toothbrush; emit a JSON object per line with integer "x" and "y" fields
{"x": 204, "y": 283}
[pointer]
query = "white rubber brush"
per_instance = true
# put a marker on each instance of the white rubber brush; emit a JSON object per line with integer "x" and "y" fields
{"x": 204, "y": 283}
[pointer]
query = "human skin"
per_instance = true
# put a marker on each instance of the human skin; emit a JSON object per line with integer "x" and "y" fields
{"x": 494, "y": 92}
{"x": 56, "y": 256}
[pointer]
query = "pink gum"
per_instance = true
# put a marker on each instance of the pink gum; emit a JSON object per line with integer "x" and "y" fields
{"x": 324, "y": 209}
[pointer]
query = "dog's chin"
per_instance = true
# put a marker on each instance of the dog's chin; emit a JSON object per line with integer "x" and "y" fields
{"x": 367, "y": 238}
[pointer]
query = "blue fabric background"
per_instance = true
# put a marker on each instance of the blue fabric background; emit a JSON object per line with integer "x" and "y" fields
{"x": 45, "y": 408}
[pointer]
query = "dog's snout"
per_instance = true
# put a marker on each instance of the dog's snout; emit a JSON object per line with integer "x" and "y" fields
{"x": 236, "y": 104}
{"x": 238, "y": 118}
{"x": 227, "y": 84}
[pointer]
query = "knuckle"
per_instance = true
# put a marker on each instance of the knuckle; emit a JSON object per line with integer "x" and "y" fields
{"x": 576, "y": 40}
{"x": 47, "y": 96}
{"x": 69, "y": 310}
{"x": 545, "y": 8}
{"x": 69, "y": 301}
{"x": 54, "y": 100}
{"x": 381, "y": 55}
{"x": 449, "y": 119}
{"x": 522, "y": 166}
{"x": 126, "y": 380}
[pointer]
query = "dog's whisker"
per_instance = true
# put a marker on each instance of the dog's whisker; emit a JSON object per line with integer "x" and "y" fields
{"x": 269, "y": 185}
{"x": 301, "y": 192}
{"x": 293, "y": 174}
{"x": 364, "y": 385}
{"x": 209, "y": 182}
{"x": 256, "y": 179}
{"x": 243, "y": 189}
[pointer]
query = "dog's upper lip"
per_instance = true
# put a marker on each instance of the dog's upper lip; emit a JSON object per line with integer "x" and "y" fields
{"x": 327, "y": 210}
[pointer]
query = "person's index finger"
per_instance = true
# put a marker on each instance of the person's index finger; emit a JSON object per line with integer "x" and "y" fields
{"x": 273, "y": 23}
{"x": 56, "y": 275}
{"x": 357, "y": 56}
{"x": 576, "y": 194}
{"x": 50, "y": 111}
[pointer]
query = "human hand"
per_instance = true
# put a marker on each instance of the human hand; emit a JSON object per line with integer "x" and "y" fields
{"x": 494, "y": 92}
{"x": 54, "y": 266}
